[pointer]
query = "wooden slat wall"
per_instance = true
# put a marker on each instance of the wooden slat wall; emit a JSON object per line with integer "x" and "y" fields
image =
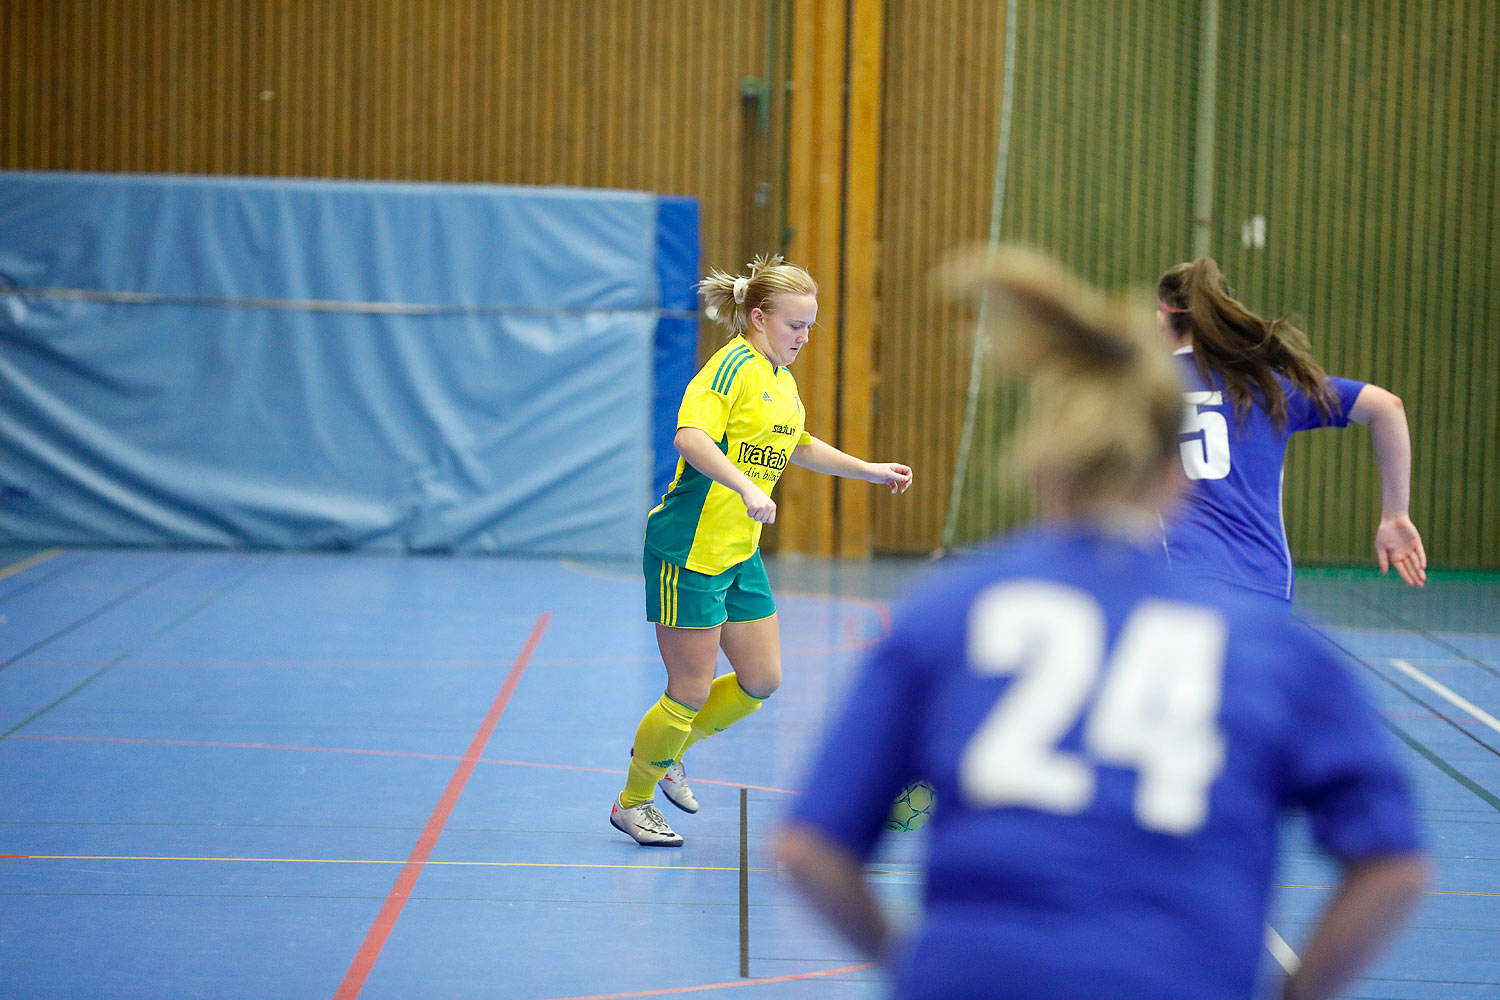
{"x": 834, "y": 150}
{"x": 1368, "y": 137}
{"x": 1366, "y": 134}
{"x": 857, "y": 310}
{"x": 641, "y": 94}
{"x": 943, "y": 62}
{"x": 806, "y": 500}
{"x": 1100, "y": 174}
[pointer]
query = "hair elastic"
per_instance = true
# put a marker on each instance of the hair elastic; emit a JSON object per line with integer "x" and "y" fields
{"x": 1169, "y": 309}
{"x": 741, "y": 289}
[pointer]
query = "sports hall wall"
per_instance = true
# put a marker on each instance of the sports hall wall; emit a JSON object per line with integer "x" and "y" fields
{"x": 1363, "y": 135}
{"x": 1366, "y": 135}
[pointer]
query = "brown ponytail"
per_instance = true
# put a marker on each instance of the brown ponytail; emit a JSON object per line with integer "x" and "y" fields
{"x": 1244, "y": 350}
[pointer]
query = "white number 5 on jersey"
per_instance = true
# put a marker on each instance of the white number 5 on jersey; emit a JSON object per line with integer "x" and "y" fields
{"x": 1154, "y": 711}
{"x": 1206, "y": 454}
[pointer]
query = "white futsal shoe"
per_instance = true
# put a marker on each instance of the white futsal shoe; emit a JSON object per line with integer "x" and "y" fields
{"x": 644, "y": 824}
{"x": 674, "y": 786}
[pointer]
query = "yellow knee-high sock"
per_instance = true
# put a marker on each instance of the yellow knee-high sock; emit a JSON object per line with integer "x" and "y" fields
{"x": 727, "y": 704}
{"x": 658, "y": 741}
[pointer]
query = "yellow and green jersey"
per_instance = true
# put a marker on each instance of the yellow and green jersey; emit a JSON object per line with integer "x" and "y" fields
{"x": 751, "y": 409}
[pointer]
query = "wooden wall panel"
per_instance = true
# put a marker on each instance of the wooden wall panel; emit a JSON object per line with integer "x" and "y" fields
{"x": 857, "y": 310}
{"x": 942, "y": 64}
{"x": 816, "y": 152}
{"x": 641, "y": 94}
{"x": 1100, "y": 168}
{"x": 833, "y": 145}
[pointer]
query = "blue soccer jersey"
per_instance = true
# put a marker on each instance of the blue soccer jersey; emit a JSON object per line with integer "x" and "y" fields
{"x": 1231, "y": 528}
{"x": 1110, "y": 745}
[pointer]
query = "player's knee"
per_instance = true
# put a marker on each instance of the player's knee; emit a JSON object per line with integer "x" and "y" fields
{"x": 762, "y": 685}
{"x": 688, "y": 692}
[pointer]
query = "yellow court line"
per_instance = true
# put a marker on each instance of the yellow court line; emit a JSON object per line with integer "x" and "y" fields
{"x": 28, "y": 562}
{"x": 370, "y": 861}
{"x": 1430, "y": 892}
{"x": 379, "y": 861}
{"x": 530, "y": 864}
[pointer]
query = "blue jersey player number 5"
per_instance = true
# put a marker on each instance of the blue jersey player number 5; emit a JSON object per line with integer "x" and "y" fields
{"x": 1155, "y": 711}
{"x": 1205, "y": 448}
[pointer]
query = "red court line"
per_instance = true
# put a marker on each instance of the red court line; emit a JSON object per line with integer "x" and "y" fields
{"x": 851, "y": 629}
{"x": 725, "y": 986}
{"x": 385, "y": 920}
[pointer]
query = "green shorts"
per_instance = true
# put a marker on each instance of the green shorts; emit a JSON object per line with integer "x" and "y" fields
{"x": 681, "y": 598}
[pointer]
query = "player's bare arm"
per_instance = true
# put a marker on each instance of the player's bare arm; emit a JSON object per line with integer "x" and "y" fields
{"x": 698, "y": 449}
{"x": 820, "y": 456}
{"x": 1397, "y": 541}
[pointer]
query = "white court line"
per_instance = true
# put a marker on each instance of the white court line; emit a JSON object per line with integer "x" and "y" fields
{"x": 1453, "y": 697}
{"x": 1281, "y": 951}
{"x": 1275, "y": 944}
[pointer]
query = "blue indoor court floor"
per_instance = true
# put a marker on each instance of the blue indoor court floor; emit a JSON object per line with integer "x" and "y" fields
{"x": 317, "y": 775}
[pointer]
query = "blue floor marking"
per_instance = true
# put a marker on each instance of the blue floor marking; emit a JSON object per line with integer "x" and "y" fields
{"x": 314, "y": 710}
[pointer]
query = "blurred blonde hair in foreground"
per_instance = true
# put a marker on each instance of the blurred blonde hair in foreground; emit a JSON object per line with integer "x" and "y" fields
{"x": 1106, "y": 404}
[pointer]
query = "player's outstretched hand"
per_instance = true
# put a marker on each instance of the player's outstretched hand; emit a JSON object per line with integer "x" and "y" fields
{"x": 892, "y": 474}
{"x": 758, "y": 505}
{"x": 1398, "y": 544}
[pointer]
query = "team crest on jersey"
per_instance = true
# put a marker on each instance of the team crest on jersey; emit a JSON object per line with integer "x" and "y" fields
{"x": 765, "y": 395}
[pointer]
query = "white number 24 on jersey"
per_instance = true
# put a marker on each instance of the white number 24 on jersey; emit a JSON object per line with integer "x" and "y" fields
{"x": 1154, "y": 711}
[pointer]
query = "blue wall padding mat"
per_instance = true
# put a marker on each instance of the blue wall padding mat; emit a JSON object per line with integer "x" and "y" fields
{"x": 233, "y": 362}
{"x": 677, "y": 333}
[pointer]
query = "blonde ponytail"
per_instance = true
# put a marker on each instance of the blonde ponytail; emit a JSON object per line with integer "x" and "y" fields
{"x": 729, "y": 298}
{"x": 1107, "y": 406}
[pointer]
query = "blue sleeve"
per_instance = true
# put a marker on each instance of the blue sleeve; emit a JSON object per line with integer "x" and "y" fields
{"x": 867, "y": 753}
{"x": 1303, "y": 412}
{"x": 1342, "y": 769}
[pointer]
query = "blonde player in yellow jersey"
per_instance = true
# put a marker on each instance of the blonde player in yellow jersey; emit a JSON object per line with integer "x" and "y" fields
{"x": 740, "y": 423}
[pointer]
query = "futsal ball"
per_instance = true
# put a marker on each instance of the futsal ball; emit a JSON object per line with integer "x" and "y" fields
{"x": 912, "y": 808}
